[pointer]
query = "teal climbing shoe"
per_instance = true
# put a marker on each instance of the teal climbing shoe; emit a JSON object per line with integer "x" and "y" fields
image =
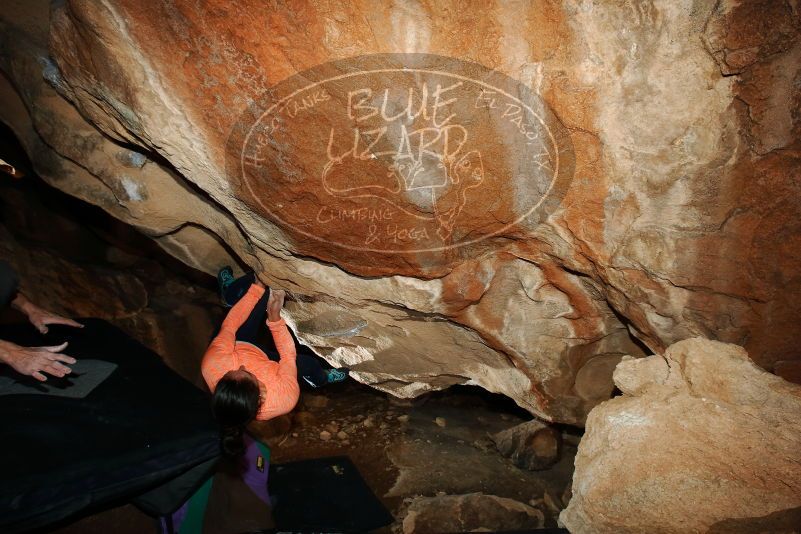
{"x": 337, "y": 375}
{"x": 224, "y": 279}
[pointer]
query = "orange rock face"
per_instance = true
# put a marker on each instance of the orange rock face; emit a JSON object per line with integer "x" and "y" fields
{"x": 392, "y": 163}
{"x": 457, "y": 193}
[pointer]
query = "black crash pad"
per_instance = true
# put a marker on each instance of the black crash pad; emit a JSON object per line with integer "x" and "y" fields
{"x": 86, "y": 375}
{"x": 324, "y": 495}
{"x": 142, "y": 432}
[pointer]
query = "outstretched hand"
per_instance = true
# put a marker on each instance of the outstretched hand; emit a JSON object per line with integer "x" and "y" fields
{"x": 41, "y": 318}
{"x": 274, "y": 304}
{"x": 35, "y": 361}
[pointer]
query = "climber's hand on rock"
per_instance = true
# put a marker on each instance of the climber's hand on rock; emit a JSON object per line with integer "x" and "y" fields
{"x": 274, "y": 304}
{"x": 35, "y": 361}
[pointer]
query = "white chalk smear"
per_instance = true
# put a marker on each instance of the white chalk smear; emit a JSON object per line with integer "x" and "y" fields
{"x": 628, "y": 419}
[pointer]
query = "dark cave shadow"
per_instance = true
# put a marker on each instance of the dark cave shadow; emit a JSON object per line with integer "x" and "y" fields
{"x": 104, "y": 229}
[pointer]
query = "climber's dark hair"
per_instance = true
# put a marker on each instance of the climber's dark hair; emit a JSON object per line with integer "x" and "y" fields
{"x": 235, "y": 403}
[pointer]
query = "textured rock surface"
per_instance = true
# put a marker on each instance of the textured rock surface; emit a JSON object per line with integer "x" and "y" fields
{"x": 469, "y": 513}
{"x": 681, "y": 218}
{"x": 701, "y": 441}
{"x": 530, "y": 445}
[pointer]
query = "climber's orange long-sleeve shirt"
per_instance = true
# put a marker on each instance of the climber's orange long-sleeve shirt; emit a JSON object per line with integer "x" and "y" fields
{"x": 226, "y": 354}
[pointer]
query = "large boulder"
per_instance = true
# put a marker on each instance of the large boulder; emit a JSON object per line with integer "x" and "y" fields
{"x": 498, "y": 196}
{"x": 702, "y": 440}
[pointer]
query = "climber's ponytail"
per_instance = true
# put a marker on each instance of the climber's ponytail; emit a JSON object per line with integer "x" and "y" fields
{"x": 232, "y": 442}
{"x": 235, "y": 403}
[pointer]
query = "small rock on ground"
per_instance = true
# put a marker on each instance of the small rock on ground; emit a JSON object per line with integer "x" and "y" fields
{"x": 532, "y": 445}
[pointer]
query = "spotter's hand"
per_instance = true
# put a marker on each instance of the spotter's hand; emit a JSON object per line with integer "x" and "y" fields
{"x": 41, "y": 318}
{"x": 35, "y": 361}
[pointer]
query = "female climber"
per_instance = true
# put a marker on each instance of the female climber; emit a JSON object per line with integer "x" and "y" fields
{"x": 250, "y": 378}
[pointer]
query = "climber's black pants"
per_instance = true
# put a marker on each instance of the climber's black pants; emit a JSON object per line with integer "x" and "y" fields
{"x": 310, "y": 367}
